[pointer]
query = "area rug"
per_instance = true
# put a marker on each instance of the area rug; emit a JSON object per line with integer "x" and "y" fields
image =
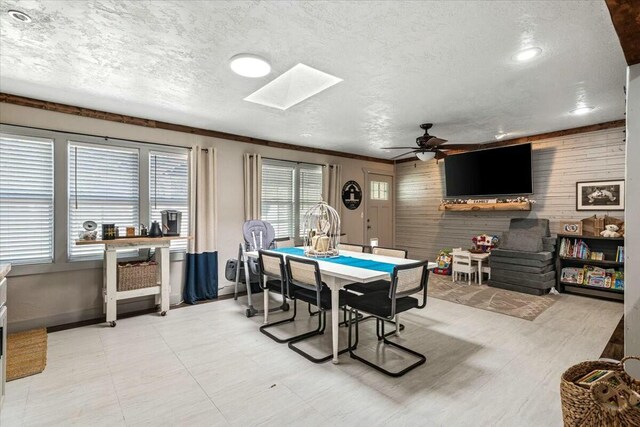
{"x": 26, "y": 353}
{"x": 502, "y": 301}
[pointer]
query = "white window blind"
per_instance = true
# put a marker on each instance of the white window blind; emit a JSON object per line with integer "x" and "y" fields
{"x": 288, "y": 191}
{"x": 26, "y": 199}
{"x": 103, "y": 187}
{"x": 278, "y": 205}
{"x": 169, "y": 189}
{"x": 310, "y": 191}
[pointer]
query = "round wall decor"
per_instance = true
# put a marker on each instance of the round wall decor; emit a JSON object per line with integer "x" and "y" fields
{"x": 351, "y": 195}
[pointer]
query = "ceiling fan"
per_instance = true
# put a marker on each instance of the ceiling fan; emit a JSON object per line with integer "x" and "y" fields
{"x": 430, "y": 146}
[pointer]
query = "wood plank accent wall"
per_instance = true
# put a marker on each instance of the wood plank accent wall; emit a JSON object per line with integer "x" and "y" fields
{"x": 558, "y": 163}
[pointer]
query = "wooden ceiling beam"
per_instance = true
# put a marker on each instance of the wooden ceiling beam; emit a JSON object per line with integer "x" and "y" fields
{"x": 137, "y": 121}
{"x": 625, "y": 15}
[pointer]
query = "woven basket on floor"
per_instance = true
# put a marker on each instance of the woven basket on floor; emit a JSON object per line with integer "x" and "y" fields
{"x": 580, "y": 408}
{"x": 137, "y": 275}
{"x": 26, "y": 353}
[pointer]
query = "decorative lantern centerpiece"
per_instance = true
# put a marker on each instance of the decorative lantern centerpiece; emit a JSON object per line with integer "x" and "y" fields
{"x": 321, "y": 231}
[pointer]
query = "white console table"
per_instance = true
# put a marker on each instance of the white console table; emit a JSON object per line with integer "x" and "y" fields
{"x": 111, "y": 294}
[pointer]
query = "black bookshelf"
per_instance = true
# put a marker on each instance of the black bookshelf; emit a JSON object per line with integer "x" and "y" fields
{"x": 606, "y": 245}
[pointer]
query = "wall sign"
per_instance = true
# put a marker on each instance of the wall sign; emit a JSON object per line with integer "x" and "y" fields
{"x": 351, "y": 195}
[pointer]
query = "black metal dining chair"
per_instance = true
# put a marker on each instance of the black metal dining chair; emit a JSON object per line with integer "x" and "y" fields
{"x": 306, "y": 285}
{"x": 273, "y": 276}
{"x": 378, "y": 285}
{"x": 406, "y": 280}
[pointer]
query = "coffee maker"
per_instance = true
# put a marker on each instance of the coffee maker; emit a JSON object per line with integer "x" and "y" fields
{"x": 171, "y": 222}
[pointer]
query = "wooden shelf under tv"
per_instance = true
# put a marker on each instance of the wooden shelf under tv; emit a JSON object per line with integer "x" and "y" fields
{"x": 472, "y": 207}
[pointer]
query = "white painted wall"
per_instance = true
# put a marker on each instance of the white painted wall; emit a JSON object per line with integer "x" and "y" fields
{"x": 72, "y": 293}
{"x": 632, "y": 225}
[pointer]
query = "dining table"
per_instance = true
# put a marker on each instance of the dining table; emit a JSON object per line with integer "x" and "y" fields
{"x": 339, "y": 271}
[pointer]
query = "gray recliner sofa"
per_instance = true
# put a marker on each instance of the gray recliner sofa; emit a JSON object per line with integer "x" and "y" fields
{"x": 525, "y": 260}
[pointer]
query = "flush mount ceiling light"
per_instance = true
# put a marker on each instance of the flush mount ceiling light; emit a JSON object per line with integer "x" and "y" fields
{"x": 19, "y": 16}
{"x": 581, "y": 111}
{"x": 425, "y": 156}
{"x": 527, "y": 54}
{"x": 249, "y": 65}
{"x": 293, "y": 86}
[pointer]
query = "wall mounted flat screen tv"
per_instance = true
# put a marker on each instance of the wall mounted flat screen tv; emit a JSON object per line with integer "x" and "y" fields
{"x": 502, "y": 171}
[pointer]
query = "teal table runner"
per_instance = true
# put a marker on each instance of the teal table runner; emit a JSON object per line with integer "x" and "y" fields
{"x": 367, "y": 264}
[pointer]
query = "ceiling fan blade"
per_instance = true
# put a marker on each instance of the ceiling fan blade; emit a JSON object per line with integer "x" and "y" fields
{"x": 403, "y": 154}
{"x": 460, "y": 146}
{"x": 435, "y": 141}
{"x": 440, "y": 154}
{"x": 398, "y": 148}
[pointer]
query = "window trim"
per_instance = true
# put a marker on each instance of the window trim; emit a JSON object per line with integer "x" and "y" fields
{"x": 60, "y": 192}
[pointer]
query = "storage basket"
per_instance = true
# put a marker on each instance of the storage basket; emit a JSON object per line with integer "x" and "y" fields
{"x": 580, "y": 408}
{"x": 137, "y": 275}
{"x": 592, "y": 226}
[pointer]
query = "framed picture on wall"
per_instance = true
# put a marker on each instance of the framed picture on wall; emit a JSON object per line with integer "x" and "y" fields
{"x": 600, "y": 195}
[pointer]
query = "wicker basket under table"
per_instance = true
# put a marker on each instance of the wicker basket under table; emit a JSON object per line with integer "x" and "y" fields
{"x": 137, "y": 275}
{"x": 581, "y": 409}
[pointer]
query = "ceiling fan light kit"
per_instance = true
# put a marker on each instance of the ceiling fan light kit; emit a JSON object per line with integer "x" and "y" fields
{"x": 425, "y": 156}
{"x": 430, "y": 146}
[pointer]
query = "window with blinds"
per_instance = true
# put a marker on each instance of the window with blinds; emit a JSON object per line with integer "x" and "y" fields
{"x": 103, "y": 187}
{"x": 310, "y": 191}
{"x": 288, "y": 190}
{"x": 278, "y": 203}
{"x": 169, "y": 189}
{"x": 26, "y": 199}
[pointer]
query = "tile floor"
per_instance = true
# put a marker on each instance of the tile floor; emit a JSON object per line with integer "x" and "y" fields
{"x": 209, "y": 365}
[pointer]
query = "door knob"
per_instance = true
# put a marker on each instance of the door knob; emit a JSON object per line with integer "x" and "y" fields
{"x": 368, "y": 227}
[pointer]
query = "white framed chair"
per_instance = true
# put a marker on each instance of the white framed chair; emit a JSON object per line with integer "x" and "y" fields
{"x": 485, "y": 269}
{"x": 463, "y": 264}
{"x": 350, "y": 247}
{"x": 284, "y": 242}
{"x": 392, "y": 252}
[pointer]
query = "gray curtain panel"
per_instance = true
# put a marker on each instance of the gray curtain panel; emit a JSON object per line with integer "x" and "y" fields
{"x": 252, "y": 186}
{"x": 332, "y": 183}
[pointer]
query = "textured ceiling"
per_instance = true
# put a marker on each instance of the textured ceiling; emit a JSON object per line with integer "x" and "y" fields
{"x": 403, "y": 63}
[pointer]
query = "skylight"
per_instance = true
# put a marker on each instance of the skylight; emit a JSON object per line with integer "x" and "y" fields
{"x": 292, "y": 87}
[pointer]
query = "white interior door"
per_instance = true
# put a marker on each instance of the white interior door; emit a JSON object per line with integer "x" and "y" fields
{"x": 379, "y": 215}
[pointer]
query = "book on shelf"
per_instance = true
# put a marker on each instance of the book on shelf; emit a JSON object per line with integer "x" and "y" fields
{"x": 590, "y": 275}
{"x": 574, "y": 248}
{"x": 620, "y": 254}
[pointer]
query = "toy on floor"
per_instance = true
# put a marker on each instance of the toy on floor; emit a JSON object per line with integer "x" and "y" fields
{"x": 443, "y": 262}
